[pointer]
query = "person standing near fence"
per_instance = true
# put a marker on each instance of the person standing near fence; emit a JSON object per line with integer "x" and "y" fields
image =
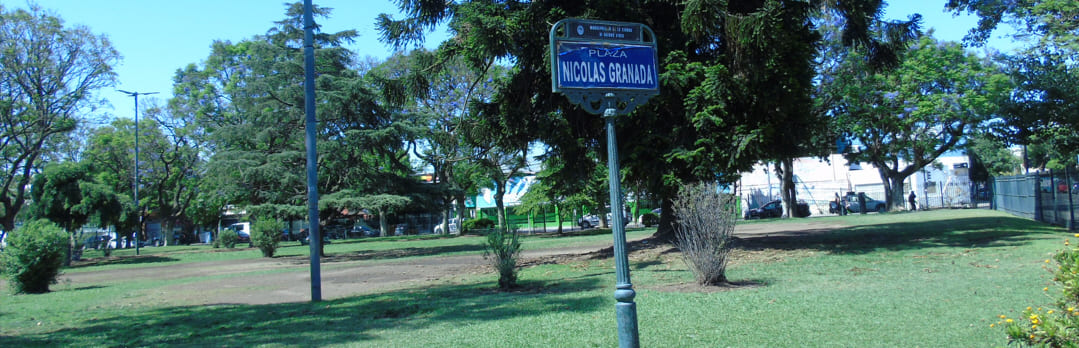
{"x": 913, "y": 201}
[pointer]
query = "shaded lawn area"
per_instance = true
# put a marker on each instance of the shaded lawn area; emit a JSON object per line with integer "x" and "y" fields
{"x": 934, "y": 278}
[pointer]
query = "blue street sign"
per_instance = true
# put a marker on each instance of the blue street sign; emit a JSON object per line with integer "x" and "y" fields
{"x": 606, "y": 65}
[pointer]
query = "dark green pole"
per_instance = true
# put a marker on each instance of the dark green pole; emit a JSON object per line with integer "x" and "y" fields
{"x": 138, "y": 229}
{"x": 625, "y": 309}
{"x": 312, "y": 154}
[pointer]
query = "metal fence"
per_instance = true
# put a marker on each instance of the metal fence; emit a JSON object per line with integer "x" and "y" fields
{"x": 1051, "y": 197}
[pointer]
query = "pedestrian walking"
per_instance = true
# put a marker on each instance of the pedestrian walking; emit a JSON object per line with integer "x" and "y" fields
{"x": 913, "y": 201}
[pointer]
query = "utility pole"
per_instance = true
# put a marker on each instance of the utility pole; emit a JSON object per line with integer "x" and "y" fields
{"x": 138, "y": 230}
{"x": 312, "y": 153}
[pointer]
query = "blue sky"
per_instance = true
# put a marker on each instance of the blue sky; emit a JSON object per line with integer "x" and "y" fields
{"x": 156, "y": 38}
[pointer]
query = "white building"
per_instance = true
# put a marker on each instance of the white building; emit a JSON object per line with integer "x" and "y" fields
{"x": 946, "y": 183}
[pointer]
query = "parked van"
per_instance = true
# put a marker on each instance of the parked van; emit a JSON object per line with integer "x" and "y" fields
{"x": 243, "y": 229}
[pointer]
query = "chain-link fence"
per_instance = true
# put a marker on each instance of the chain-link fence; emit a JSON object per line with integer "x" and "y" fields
{"x": 1050, "y": 197}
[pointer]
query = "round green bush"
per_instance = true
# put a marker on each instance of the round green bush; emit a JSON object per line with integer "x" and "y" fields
{"x": 33, "y": 257}
{"x": 266, "y": 235}
{"x": 228, "y": 238}
{"x": 478, "y": 224}
{"x": 649, "y": 219}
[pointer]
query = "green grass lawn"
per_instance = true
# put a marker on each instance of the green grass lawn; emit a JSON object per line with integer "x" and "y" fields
{"x": 935, "y": 279}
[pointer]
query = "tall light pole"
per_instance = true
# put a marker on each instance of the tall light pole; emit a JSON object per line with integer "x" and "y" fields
{"x": 310, "y": 123}
{"x": 138, "y": 230}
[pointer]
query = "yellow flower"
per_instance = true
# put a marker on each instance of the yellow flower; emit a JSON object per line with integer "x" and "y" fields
{"x": 1028, "y": 308}
{"x": 1002, "y": 315}
{"x": 1071, "y": 309}
{"x": 1045, "y": 289}
{"x": 1049, "y": 312}
{"x": 1077, "y": 235}
{"x": 1067, "y": 243}
{"x": 991, "y": 325}
{"x": 1046, "y": 261}
{"x": 1009, "y": 320}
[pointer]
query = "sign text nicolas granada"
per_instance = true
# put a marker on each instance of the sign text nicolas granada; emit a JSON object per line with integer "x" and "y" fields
{"x": 606, "y": 65}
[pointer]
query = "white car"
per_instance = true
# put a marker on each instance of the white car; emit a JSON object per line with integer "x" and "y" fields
{"x": 588, "y": 221}
{"x": 455, "y": 227}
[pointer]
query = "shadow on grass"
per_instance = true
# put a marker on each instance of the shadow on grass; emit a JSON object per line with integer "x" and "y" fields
{"x": 126, "y": 260}
{"x": 992, "y": 231}
{"x": 353, "y": 320}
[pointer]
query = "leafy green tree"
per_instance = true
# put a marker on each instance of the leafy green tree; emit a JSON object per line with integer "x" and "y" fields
{"x": 438, "y": 92}
{"x": 109, "y": 156}
{"x": 48, "y": 76}
{"x": 172, "y": 167}
{"x": 248, "y": 98}
{"x": 906, "y": 118}
{"x": 383, "y": 204}
{"x": 1042, "y": 111}
{"x": 66, "y": 194}
{"x": 690, "y": 132}
{"x": 990, "y": 157}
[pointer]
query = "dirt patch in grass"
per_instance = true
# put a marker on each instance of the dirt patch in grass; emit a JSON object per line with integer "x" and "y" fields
{"x": 287, "y": 279}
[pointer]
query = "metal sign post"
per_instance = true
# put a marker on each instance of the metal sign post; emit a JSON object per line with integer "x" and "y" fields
{"x": 608, "y": 68}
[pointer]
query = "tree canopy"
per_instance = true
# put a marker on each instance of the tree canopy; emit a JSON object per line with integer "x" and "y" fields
{"x": 49, "y": 73}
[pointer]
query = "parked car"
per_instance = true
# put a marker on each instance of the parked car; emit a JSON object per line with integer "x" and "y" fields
{"x": 854, "y": 206}
{"x": 588, "y": 221}
{"x": 95, "y": 242}
{"x": 774, "y": 209}
{"x": 771, "y": 209}
{"x": 307, "y": 240}
{"x": 454, "y": 225}
{"x": 360, "y": 230}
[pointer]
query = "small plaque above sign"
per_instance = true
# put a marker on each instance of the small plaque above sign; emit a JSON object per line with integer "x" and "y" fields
{"x": 586, "y": 29}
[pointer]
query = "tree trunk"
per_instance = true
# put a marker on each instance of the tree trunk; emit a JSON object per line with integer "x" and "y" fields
{"x": 500, "y": 206}
{"x": 383, "y": 226}
{"x": 784, "y": 169}
{"x": 446, "y": 220}
{"x": 665, "y": 230}
{"x": 167, "y": 225}
{"x": 460, "y": 198}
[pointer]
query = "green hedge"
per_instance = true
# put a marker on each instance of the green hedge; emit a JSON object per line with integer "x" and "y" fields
{"x": 33, "y": 257}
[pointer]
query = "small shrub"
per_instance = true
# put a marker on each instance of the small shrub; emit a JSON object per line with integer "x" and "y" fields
{"x": 502, "y": 250}
{"x": 266, "y": 235}
{"x": 228, "y": 238}
{"x": 33, "y": 257}
{"x": 478, "y": 224}
{"x": 650, "y": 219}
{"x": 1057, "y": 326}
{"x": 705, "y": 223}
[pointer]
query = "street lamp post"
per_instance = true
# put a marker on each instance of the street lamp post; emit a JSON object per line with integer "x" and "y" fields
{"x": 138, "y": 229}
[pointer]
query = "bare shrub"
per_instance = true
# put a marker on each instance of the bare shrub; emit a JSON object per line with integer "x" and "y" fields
{"x": 705, "y": 220}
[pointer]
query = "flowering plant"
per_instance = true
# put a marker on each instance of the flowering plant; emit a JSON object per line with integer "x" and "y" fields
{"x": 1052, "y": 327}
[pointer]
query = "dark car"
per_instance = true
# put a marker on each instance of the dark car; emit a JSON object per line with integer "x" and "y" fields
{"x": 95, "y": 242}
{"x": 771, "y": 209}
{"x": 774, "y": 209}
